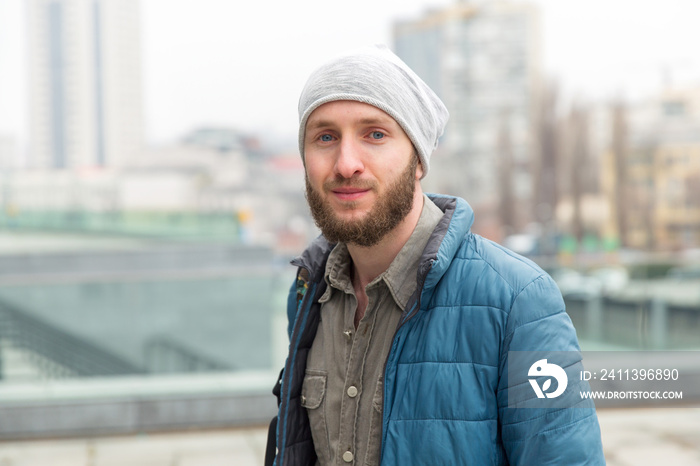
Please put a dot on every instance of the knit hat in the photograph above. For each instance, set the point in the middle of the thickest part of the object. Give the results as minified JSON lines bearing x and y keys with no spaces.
{"x":374,"y":75}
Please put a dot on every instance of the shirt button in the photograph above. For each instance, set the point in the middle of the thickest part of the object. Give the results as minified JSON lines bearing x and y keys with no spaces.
{"x":348,"y":334}
{"x":352,"y":391}
{"x":348,"y":456}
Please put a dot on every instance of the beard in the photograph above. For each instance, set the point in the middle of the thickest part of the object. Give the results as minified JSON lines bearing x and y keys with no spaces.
{"x":388,"y":210}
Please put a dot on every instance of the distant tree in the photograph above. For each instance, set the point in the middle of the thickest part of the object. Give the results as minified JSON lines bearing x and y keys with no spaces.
{"x":579,"y":165}
{"x":547,"y":159}
{"x":643,"y":197}
{"x":620,"y":149}
{"x":506,"y":197}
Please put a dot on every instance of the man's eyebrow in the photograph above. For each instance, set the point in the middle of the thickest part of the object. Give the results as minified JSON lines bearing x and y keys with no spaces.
{"x":319,"y":124}
{"x":374,"y":121}
{"x":364,"y":121}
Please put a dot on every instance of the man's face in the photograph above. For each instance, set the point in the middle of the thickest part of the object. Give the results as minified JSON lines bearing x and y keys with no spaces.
{"x":361,"y":172}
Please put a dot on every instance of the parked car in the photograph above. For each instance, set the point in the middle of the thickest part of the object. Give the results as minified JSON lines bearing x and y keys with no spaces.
{"x":574,"y":284}
{"x":688,"y":272}
{"x":612,"y":279}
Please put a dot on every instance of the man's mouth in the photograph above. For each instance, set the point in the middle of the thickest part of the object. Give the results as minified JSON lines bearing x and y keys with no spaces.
{"x":349,"y":193}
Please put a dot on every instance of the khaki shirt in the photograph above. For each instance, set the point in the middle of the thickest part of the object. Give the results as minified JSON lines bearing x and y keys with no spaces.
{"x":343,"y":384}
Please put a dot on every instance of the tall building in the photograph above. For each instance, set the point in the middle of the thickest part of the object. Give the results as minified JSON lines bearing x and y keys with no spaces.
{"x":84,"y":83}
{"x":8,"y":152}
{"x":483,"y":60}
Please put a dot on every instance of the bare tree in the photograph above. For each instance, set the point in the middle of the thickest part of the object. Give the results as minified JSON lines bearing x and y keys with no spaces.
{"x":547,"y":163}
{"x":506,"y":198}
{"x":579,"y":166}
{"x":643,"y":197}
{"x":619,"y":147}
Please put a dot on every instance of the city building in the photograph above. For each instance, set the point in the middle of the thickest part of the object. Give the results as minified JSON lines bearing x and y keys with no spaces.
{"x":8,"y":152}
{"x":483,"y":60}
{"x":658,"y":207}
{"x":85,"y":97}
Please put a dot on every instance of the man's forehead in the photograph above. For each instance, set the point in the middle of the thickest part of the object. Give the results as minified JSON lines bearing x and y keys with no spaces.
{"x":329,"y":114}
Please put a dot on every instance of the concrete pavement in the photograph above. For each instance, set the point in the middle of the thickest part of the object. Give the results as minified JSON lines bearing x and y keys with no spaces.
{"x":631,"y":437}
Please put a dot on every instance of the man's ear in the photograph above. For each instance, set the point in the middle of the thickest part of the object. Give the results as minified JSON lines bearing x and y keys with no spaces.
{"x":419,"y":170}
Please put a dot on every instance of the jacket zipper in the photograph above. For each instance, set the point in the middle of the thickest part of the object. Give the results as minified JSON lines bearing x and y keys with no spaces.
{"x":301,"y":304}
{"x":395,"y":341}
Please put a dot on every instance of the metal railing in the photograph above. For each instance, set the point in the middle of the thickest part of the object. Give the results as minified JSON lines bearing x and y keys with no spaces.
{"x":164,"y":353}
{"x":648,"y":323}
{"x":55,"y":352}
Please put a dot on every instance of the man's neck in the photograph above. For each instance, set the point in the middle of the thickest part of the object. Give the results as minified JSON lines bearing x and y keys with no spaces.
{"x":370,"y":262}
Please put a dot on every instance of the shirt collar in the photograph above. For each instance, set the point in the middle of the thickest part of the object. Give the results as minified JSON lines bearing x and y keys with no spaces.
{"x":401,"y":276}
{"x":337,"y":274}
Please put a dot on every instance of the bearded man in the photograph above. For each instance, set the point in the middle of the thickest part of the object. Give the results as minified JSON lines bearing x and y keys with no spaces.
{"x":401,"y":320}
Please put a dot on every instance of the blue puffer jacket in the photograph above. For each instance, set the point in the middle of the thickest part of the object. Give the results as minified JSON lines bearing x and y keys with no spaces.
{"x":446,"y":378}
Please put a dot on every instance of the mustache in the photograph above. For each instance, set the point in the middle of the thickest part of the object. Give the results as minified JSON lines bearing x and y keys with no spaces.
{"x":354,"y":183}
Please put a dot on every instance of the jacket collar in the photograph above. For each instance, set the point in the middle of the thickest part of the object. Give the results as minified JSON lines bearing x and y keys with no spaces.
{"x":447,"y":237}
{"x":314,"y":258}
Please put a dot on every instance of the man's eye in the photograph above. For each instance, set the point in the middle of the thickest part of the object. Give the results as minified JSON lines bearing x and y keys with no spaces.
{"x":377,"y":135}
{"x":326,"y":138}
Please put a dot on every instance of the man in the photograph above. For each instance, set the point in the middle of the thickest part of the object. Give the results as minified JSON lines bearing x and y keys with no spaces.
{"x":401,"y":320}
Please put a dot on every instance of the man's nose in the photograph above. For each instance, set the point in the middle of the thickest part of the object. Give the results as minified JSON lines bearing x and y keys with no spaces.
{"x":349,"y":160}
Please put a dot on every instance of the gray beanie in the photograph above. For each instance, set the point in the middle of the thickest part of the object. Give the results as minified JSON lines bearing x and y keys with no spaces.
{"x":374,"y":75}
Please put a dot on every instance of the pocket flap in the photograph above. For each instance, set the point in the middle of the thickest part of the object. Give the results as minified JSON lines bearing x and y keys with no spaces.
{"x":313,"y":391}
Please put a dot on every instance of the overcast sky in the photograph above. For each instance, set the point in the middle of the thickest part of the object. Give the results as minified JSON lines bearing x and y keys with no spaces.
{"x":243,"y":63}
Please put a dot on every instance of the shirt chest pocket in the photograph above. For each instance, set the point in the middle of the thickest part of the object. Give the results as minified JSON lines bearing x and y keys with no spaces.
{"x":313,"y":390}
{"x":313,"y":393}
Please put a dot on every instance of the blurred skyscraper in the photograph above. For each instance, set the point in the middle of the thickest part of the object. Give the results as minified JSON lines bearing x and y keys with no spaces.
{"x":84,"y":83}
{"x":483,"y":60}
{"x":8,"y":152}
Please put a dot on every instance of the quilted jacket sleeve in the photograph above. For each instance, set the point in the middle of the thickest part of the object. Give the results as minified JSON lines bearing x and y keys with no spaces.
{"x":561,"y":431}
